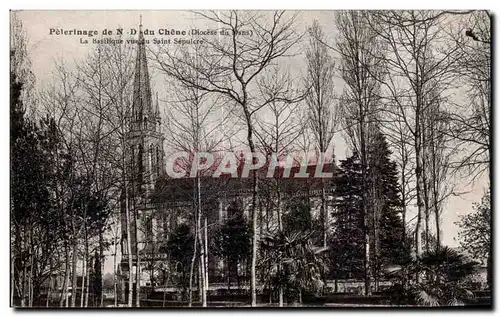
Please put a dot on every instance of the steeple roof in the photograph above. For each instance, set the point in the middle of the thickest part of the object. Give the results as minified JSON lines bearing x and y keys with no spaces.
{"x":142,"y":102}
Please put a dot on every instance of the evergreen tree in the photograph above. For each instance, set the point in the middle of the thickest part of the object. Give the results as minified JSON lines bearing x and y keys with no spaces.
{"x":298,"y":218}
{"x":34,"y":223}
{"x":347,"y":240}
{"x":96,"y":278}
{"x":232,"y":241}
{"x":180,"y":249}
{"x":388,"y":245}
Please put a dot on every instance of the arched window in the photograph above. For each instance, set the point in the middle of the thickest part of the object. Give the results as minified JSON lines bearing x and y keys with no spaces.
{"x":158,"y":161}
{"x":145,"y":123}
{"x":151,"y":162}
{"x":140,"y":162}
{"x":149,"y":227}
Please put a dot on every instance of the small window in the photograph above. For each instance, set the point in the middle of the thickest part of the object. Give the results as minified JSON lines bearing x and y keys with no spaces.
{"x":158,"y":163}
{"x":149,"y":227}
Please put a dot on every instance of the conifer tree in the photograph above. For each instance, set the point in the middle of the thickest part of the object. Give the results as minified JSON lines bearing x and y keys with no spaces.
{"x":388,"y":244}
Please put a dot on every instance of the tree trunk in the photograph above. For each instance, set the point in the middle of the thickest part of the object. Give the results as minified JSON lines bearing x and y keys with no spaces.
{"x":84,"y":272}
{"x":30,"y":280}
{"x":324,"y":209}
{"x":228,"y":273}
{"x":420,"y":203}
{"x":49,"y":292}
{"x":201,"y":287}
{"x":74,"y":285}
{"x":280,"y":234}
{"x":87,"y":274}
{"x":202,"y":266}
{"x":64,"y":289}
{"x":101,"y":264}
{"x":138,"y":260}
{"x":438,"y":226}
{"x":366,"y":216}
{"x":23,"y":295}
{"x":489,"y":274}
{"x":255,"y":191}
{"x":191,"y":268}
{"x":425,"y":188}
{"x":115,"y":271}
{"x":12,"y":277}
{"x":206,"y":255}
{"x":129,"y":250}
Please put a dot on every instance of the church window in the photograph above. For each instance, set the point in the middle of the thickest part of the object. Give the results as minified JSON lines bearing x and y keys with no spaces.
{"x":140,"y":162}
{"x":158,"y":162}
{"x":151,"y":159}
{"x":149,"y":227}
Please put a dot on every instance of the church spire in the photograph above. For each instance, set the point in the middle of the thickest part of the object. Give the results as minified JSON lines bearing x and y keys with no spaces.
{"x":157,"y":109}
{"x":142,"y":102}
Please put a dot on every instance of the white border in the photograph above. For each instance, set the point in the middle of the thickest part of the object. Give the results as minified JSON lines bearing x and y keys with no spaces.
{"x":190,"y":4}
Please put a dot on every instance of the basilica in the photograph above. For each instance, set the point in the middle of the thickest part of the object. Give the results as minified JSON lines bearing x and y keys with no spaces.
{"x":158,"y":204}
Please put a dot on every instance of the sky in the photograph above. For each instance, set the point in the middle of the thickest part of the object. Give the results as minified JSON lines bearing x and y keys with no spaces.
{"x":45,"y":48}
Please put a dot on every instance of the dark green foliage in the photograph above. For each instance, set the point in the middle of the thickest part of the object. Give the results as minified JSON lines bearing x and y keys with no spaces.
{"x":475,"y":234}
{"x":232,"y":242}
{"x":28,"y":165}
{"x":298,"y":217}
{"x":180,"y":249}
{"x":35,"y":221}
{"x":442,"y":281}
{"x":303,"y":264}
{"x":346,"y":254}
{"x":233,"y":239}
{"x":384,"y":213}
{"x":394,"y":247}
{"x":96,"y":280}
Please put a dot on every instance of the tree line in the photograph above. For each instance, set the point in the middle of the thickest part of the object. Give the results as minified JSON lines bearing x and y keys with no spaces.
{"x":411,"y":142}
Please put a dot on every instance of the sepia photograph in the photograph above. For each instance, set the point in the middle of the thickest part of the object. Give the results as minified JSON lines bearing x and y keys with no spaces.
{"x":250,"y":159}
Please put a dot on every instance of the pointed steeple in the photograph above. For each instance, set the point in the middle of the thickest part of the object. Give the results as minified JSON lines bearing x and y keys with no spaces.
{"x":142,"y":104}
{"x":157,"y":109}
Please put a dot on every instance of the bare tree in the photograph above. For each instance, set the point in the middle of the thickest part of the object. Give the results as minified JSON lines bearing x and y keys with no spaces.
{"x":362,"y":70}
{"x":119,"y":64}
{"x":105,"y":81}
{"x":438,"y":153}
{"x":321,"y":104}
{"x":471,"y":118}
{"x":59,"y":101}
{"x":194,"y":125}
{"x":277,"y":131}
{"x":415,"y":62}
{"x":400,"y":140}
{"x":229,"y":66}
{"x":20,"y":64}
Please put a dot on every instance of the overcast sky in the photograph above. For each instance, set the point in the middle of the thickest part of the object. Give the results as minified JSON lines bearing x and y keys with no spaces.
{"x":44,"y":49}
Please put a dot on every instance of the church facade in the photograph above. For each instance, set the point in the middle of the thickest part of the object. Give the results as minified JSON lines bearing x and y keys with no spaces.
{"x":157,"y":204}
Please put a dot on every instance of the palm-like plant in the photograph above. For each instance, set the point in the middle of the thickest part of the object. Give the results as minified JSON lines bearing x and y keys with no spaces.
{"x":303,"y":264}
{"x":441,"y":279}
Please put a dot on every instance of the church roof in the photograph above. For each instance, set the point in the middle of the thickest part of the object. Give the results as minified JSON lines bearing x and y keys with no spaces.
{"x":181,"y":189}
{"x":142,"y":99}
